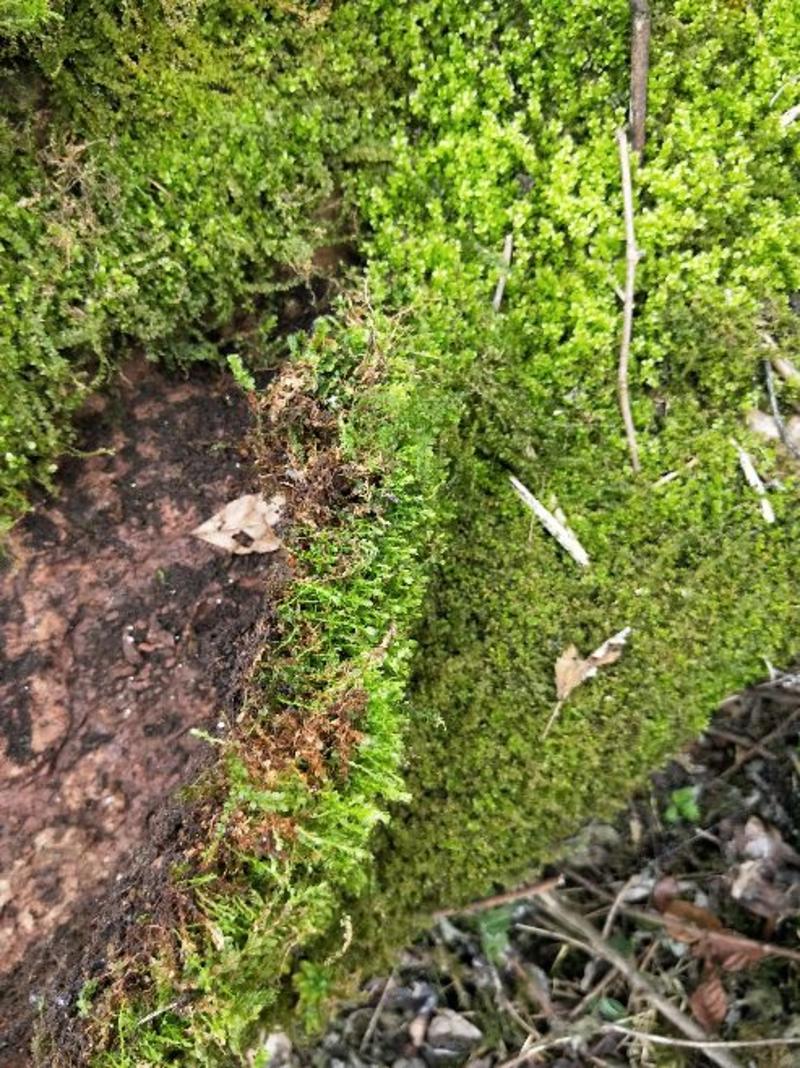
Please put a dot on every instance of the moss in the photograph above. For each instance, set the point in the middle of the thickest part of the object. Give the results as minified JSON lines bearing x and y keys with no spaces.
{"x":508,"y":124}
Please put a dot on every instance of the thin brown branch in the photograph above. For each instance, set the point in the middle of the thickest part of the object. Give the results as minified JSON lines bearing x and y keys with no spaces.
{"x":640,"y":71}
{"x":783,"y":434}
{"x":632,"y":257}
{"x":575,"y":923}
{"x":373,"y":1022}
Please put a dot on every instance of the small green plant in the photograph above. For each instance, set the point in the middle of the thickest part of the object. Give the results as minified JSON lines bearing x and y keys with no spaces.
{"x":683,"y":806}
{"x":241,"y":374}
{"x":86,"y":997}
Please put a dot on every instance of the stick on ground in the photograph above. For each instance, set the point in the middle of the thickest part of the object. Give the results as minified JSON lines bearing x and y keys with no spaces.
{"x":575,"y":923}
{"x":632,"y":256}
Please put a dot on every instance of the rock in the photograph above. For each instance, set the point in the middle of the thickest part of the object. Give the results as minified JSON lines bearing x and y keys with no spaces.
{"x":443,"y":1058}
{"x":450,"y":1039}
{"x":409,"y":1062}
{"x":278,"y":1049}
{"x":356,"y":1026}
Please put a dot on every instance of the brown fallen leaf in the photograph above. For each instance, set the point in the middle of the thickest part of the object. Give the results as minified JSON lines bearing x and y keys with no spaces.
{"x":709,"y":1002}
{"x":689,"y":923}
{"x":245,"y":525}
{"x":572,"y":669}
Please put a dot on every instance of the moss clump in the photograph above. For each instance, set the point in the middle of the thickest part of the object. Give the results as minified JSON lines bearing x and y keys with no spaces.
{"x":690,"y":565}
{"x":159,"y":173}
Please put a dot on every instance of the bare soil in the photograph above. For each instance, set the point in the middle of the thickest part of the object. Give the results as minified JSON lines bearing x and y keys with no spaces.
{"x":119,"y":633}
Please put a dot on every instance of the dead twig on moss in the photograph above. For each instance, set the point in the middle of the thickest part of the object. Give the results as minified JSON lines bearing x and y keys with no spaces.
{"x":788,"y":117}
{"x":554,"y":527}
{"x":776,"y":412}
{"x":576,"y":924}
{"x":508,"y":249}
{"x":632,"y":256}
{"x":753,"y":480}
{"x":640,"y":71}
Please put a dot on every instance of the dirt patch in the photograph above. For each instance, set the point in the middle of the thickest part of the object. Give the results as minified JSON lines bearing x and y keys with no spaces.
{"x":119,"y":633}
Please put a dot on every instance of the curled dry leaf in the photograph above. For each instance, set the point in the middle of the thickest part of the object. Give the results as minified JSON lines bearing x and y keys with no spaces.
{"x":709,"y":1003}
{"x":572,"y":669}
{"x":245,"y":525}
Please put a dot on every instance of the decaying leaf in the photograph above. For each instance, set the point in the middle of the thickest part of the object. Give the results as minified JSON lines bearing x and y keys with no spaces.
{"x":572,"y":669}
{"x":689,"y":923}
{"x":709,"y":1003}
{"x":245,"y":525}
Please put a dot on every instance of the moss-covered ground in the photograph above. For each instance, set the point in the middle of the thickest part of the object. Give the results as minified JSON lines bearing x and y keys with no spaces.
{"x":433,"y":605}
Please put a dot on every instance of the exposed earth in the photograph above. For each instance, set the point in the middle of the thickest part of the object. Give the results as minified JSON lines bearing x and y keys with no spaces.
{"x":120,"y":632}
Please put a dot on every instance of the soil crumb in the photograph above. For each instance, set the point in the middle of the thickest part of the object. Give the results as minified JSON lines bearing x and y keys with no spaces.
{"x":119,"y":633}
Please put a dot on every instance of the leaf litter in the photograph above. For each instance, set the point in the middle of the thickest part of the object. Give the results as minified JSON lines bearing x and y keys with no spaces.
{"x":245,"y":525}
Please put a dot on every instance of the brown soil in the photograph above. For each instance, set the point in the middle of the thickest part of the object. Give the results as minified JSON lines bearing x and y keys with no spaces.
{"x":119,"y":633}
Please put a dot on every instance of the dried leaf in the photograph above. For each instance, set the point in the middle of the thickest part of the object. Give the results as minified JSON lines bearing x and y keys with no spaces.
{"x":418,"y":1029}
{"x":245,"y":525}
{"x":761,"y":841}
{"x":733,"y":951}
{"x":686,"y":922}
{"x":572,"y":670}
{"x":752,"y":888}
{"x":709,"y":1003}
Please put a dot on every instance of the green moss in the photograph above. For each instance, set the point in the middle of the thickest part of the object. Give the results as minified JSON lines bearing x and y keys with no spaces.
{"x":508,"y":124}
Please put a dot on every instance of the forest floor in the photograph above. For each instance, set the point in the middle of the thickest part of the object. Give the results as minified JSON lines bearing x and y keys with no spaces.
{"x":120,"y":633}
{"x":690,"y":897}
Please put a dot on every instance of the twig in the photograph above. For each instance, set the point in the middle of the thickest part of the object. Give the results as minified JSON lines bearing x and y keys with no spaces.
{"x":707,"y":1046}
{"x":531,"y":1050}
{"x":557,"y":936}
{"x":593,"y":994}
{"x":635,"y":979}
{"x":158,"y":1012}
{"x":563,"y":535}
{"x":788,"y":117}
{"x":739,"y":739}
{"x":754,"y":482}
{"x":508,"y":898}
{"x":640,"y":68}
{"x":632,"y":257}
{"x":773,"y":735}
{"x":776,"y":412}
{"x":373,"y":1020}
{"x":672,"y":475}
{"x":508,"y":248}
{"x":786,"y":369}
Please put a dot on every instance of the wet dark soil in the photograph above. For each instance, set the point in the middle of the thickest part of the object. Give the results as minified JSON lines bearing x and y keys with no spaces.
{"x":119,"y":634}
